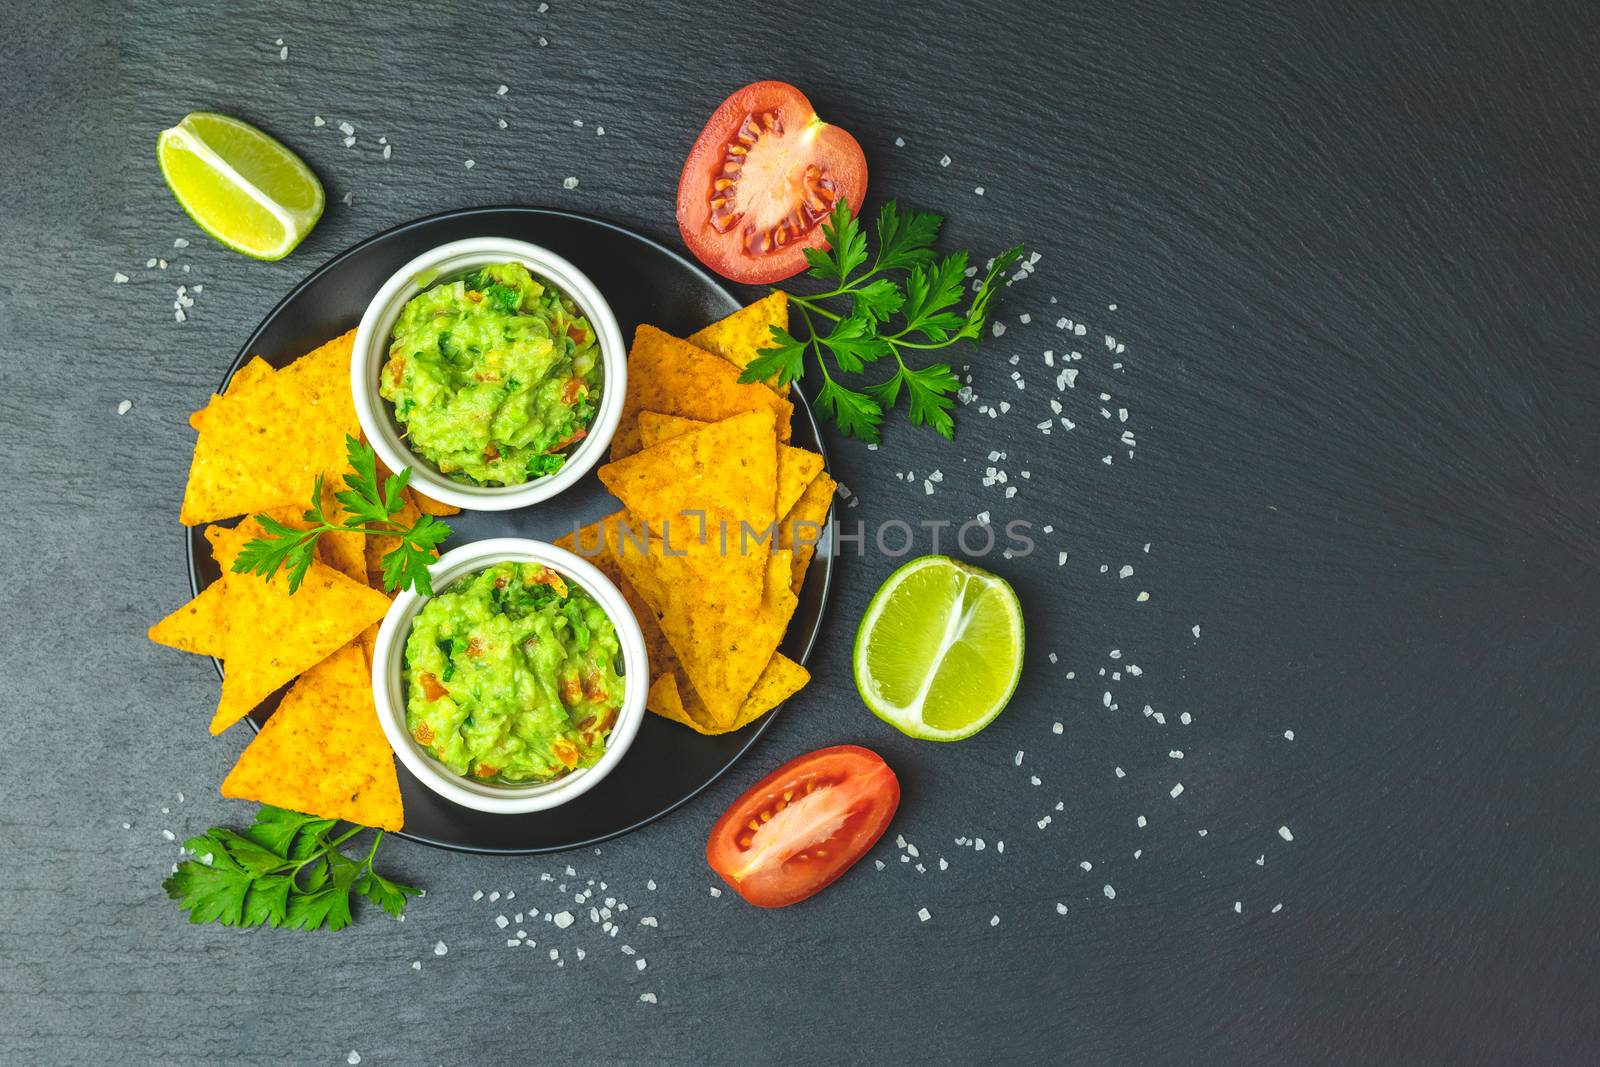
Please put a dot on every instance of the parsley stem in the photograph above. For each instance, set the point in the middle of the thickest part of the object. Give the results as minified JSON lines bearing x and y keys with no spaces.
{"x":809,"y":304}
{"x":811,"y":338}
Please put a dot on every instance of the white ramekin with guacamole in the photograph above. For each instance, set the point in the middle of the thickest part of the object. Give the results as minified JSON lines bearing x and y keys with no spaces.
{"x":494,"y":369}
{"x":518,"y":685}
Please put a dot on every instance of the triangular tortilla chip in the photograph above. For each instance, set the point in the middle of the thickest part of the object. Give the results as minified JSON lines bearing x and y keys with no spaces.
{"x":796,"y":466}
{"x":738,"y":337}
{"x":721,"y":651}
{"x":264,"y":446}
{"x":801,"y":528}
{"x":711,"y":491}
{"x":672,"y":698}
{"x":674,"y":377}
{"x":200,"y":626}
{"x":322,"y":752}
{"x":273,"y":636}
{"x":256,"y":370}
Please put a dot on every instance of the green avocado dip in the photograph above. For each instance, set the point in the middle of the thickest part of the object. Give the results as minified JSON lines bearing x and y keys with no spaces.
{"x":511,"y":676}
{"x":493,"y":375}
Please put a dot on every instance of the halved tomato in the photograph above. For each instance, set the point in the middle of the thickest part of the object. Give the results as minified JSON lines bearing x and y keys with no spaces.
{"x":804,"y":825}
{"x":761,"y":178}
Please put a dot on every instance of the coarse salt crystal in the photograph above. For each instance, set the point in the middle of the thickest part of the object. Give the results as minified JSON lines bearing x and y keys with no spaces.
{"x":1283,"y":832}
{"x":923,"y":914}
{"x":944,"y":161}
{"x":562,"y":919}
{"x":440,"y":948}
{"x":569,"y":183}
{"x":1177,"y":791}
{"x":1111,"y":894}
{"x":127,"y":405}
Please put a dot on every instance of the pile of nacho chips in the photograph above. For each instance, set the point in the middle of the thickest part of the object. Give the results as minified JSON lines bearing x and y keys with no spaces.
{"x":701,"y":466}
{"x":261,"y":447}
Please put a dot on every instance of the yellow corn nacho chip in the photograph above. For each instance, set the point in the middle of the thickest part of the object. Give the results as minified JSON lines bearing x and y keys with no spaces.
{"x":801,"y":528}
{"x":273,"y":636}
{"x":264,"y":446}
{"x":796,"y":466}
{"x":721,"y":651}
{"x":672,"y":376}
{"x":738,"y":337}
{"x":256,"y":370}
{"x":322,"y":751}
{"x":665,"y":700}
{"x":709,"y":491}
{"x":673,"y":698}
{"x":200,"y":626}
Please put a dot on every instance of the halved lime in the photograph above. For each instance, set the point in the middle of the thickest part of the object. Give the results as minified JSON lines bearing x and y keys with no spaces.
{"x":242,"y":186}
{"x":939,"y":650}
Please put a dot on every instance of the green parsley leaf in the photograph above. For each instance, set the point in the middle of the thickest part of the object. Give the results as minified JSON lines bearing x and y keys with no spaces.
{"x":929,"y":291}
{"x":785,"y":361}
{"x":921,"y":310}
{"x":905,"y":239}
{"x":284,"y":872}
{"x":277,"y":828}
{"x":978,"y":313}
{"x":390,"y":896}
{"x":854,"y":343}
{"x":877,"y":300}
{"x":929,"y":392}
{"x":368,"y":510}
{"x":847,"y":246}
{"x":856,"y":413}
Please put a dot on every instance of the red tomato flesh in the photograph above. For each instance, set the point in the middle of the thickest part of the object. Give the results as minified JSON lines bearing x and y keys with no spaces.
{"x":761,"y":179}
{"x":804,"y":825}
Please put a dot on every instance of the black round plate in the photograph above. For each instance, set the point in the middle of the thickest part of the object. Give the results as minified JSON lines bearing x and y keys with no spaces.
{"x":645,"y":282}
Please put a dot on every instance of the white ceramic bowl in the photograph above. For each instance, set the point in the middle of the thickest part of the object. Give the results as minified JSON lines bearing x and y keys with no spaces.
{"x":389,"y":690}
{"x":371,"y":352}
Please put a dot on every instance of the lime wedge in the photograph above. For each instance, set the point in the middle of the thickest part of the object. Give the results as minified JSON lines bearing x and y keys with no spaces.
{"x":243,"y":187}
{"x":939,"y":650}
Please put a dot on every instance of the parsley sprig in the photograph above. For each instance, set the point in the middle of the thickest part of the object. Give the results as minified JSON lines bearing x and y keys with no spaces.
{"x":286,"y":870}
{"x":888,"y":318}
{"x":368,"y":510}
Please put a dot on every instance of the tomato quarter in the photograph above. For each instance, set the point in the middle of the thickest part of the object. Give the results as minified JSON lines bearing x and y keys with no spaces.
{"x":761,"y":179}
{"x":804,"y":825}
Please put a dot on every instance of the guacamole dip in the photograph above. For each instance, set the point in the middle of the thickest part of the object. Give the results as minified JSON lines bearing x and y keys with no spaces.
{"x":511,"y":675}
{"x":493,"y":375}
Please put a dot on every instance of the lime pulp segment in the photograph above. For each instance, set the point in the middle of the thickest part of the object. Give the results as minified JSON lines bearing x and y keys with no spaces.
{"x":939,"y":650}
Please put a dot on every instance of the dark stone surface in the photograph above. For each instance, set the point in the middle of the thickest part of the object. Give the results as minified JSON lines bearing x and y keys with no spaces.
{"x":1353,"y":258}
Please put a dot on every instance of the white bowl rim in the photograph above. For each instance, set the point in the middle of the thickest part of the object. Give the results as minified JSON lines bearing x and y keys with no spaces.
{"x":371,"y":348}
{"x":388,"y":660}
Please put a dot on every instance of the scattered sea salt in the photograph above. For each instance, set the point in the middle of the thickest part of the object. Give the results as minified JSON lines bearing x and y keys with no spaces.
{"x":647,"y":998}
{"x":440,"y":948}
{"x":1111,"y":894}
{"x":127,"y":406}
{"x":503,"y":90}
{"x":562,"y":919}
{"x":1177,"y":791}
{"x":569,"y":183}
{"x":469,"y":163}
{"x":923,"y":914}
{"x":1283,"y":832}
{"x":944,"y":161}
